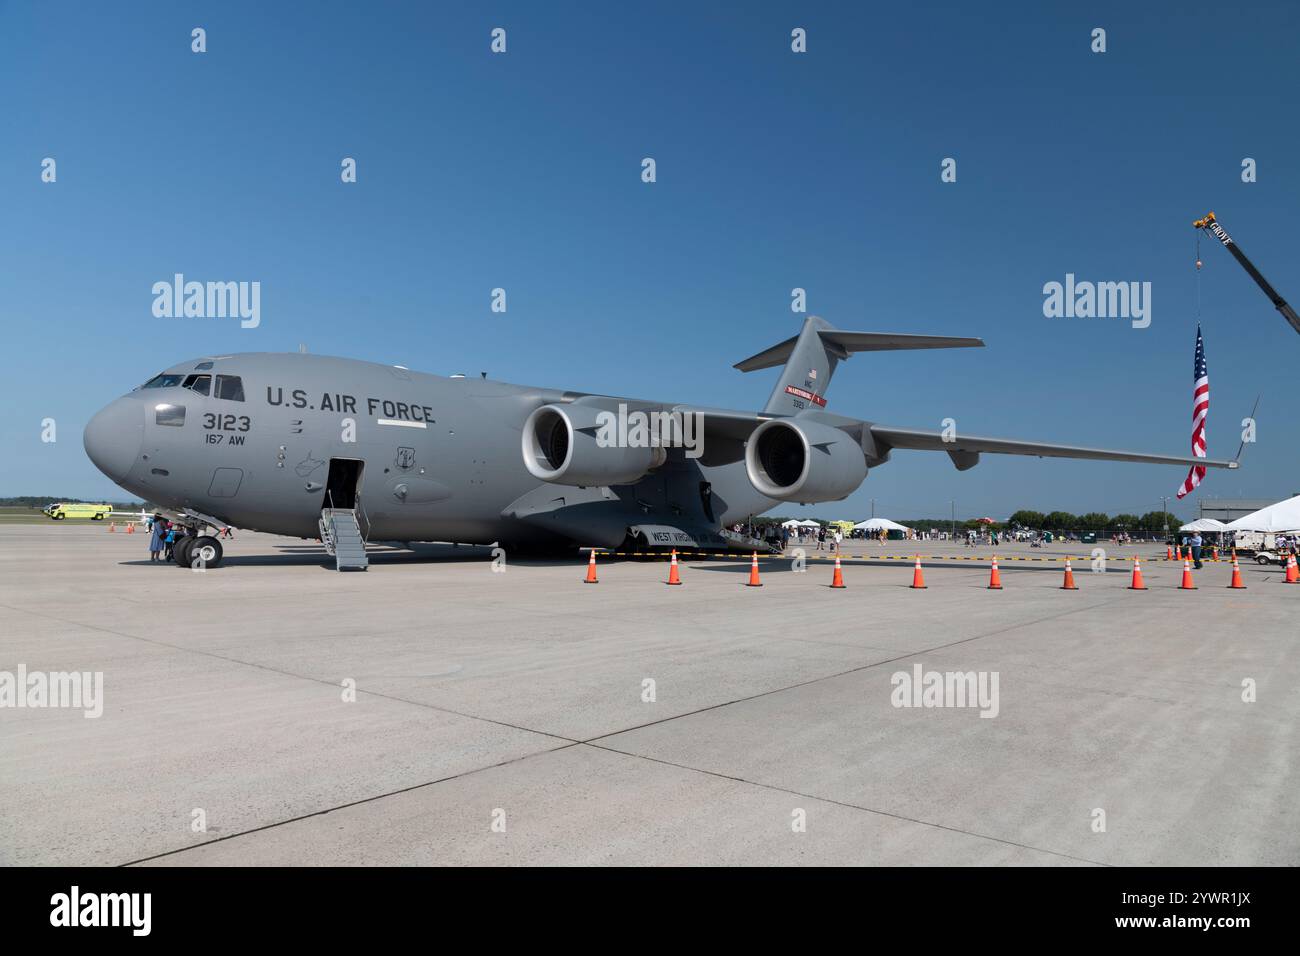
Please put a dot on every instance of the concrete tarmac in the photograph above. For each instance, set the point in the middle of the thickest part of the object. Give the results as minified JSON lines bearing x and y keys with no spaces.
{"x":526,"y":718}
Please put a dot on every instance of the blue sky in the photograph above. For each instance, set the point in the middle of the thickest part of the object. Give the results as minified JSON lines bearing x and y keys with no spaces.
{"x":775,"y":171}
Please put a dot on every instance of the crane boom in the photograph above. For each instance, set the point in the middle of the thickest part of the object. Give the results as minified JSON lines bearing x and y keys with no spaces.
{"x":1212,"y":225}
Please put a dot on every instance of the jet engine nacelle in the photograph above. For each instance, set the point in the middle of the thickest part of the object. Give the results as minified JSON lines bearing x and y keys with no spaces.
{"x":792,"y":460}
{"x":560,"y":446}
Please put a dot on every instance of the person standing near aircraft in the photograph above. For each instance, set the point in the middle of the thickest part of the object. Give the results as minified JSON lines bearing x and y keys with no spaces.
{"x":155,"y":538}
{"x":1197,"y":543}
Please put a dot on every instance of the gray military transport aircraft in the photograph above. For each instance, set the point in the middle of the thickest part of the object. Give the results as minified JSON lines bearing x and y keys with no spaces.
{"x":352,"y":451}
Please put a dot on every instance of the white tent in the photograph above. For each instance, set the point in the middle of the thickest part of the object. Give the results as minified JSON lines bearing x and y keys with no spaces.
{"x":1204,"y":524}
{"x":1283,"y":516}
{"x":809,"y":523}
{"x":792,"y":523}
{"x":876,"y":524}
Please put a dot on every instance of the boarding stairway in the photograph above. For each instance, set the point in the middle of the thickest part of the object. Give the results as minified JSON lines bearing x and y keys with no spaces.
{"x":341,"y":535}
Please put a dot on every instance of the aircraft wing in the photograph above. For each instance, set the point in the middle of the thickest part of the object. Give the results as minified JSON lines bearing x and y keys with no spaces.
{"x":969,"y":447}
{"x":726,"y":430}
{"x":725,"y":422}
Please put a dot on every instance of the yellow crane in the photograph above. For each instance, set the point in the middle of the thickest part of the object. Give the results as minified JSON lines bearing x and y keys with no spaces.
{"x":1215,"y":228}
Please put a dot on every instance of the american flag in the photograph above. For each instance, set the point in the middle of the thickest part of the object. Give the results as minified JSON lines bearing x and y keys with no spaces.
{"x":1200,"y":408}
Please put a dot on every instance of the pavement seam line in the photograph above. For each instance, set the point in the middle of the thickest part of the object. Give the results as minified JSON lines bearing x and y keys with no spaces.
{"x":570,"y":742}
{"x":841,"y":803}
{"x":851,"y":670}
{"x":283,"y":673}
{"x":345,"y":806}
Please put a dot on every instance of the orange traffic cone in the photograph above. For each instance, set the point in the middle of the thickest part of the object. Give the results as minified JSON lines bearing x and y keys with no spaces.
{"x":918,"y":579}
{"x":995,"y":578}
{"x":1069,"y":584}
{"x":591,"y":569}
{"x":1236,"y":584}
{"x":1169,"y":552}
{"x":112,"y":526}
{"x":1187,"y":584}
{"x":1137,"y":584}
{"x":838,"y":580}
{"x":672,"y":570}
{"x":753,"y":581}
{"x":1292,"y":573}
{"x":130,"y":529}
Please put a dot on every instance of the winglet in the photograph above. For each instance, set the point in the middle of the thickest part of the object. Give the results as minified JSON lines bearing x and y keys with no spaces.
{"x":1242,"y":447}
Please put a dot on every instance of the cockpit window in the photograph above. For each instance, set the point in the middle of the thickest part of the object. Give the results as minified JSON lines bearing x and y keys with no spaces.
{"x":169,"y":414}
{"x":230,"y":387}
{"x":163,"y":381}
{"x":199,"y":383}
{"x":203,"y":366}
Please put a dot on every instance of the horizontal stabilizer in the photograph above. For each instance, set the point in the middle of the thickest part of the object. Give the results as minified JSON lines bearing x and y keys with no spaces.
{"x":842,"y":344}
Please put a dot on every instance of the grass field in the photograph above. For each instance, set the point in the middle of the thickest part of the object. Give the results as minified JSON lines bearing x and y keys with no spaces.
{"x":12,"y":514}
{"x":17,"y":514}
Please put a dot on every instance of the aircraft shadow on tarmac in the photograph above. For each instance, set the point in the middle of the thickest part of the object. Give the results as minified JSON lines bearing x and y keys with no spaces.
{"x":306,"y":555}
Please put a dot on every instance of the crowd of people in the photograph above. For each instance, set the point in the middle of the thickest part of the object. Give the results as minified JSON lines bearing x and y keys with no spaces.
{"x":823,"y":538}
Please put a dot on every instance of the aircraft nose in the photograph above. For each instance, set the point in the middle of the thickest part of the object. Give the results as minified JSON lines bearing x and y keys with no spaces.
{"x":114,"y":437}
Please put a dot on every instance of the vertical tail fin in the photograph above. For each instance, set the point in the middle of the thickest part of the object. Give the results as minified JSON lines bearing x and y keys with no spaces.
{"x":809,"y":365}
{"x":811,"y":356}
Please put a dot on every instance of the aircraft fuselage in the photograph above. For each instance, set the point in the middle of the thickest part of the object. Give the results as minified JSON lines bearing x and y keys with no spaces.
{"x":277,"y":437}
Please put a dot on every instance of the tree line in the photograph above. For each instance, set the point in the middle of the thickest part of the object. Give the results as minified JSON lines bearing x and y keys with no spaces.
{"x":32,"y":501}
{"x":1153,"y":522}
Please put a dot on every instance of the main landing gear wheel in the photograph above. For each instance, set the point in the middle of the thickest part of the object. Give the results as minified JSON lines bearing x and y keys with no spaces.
{"x":204,"y":550}
{"x":181,"y":551}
